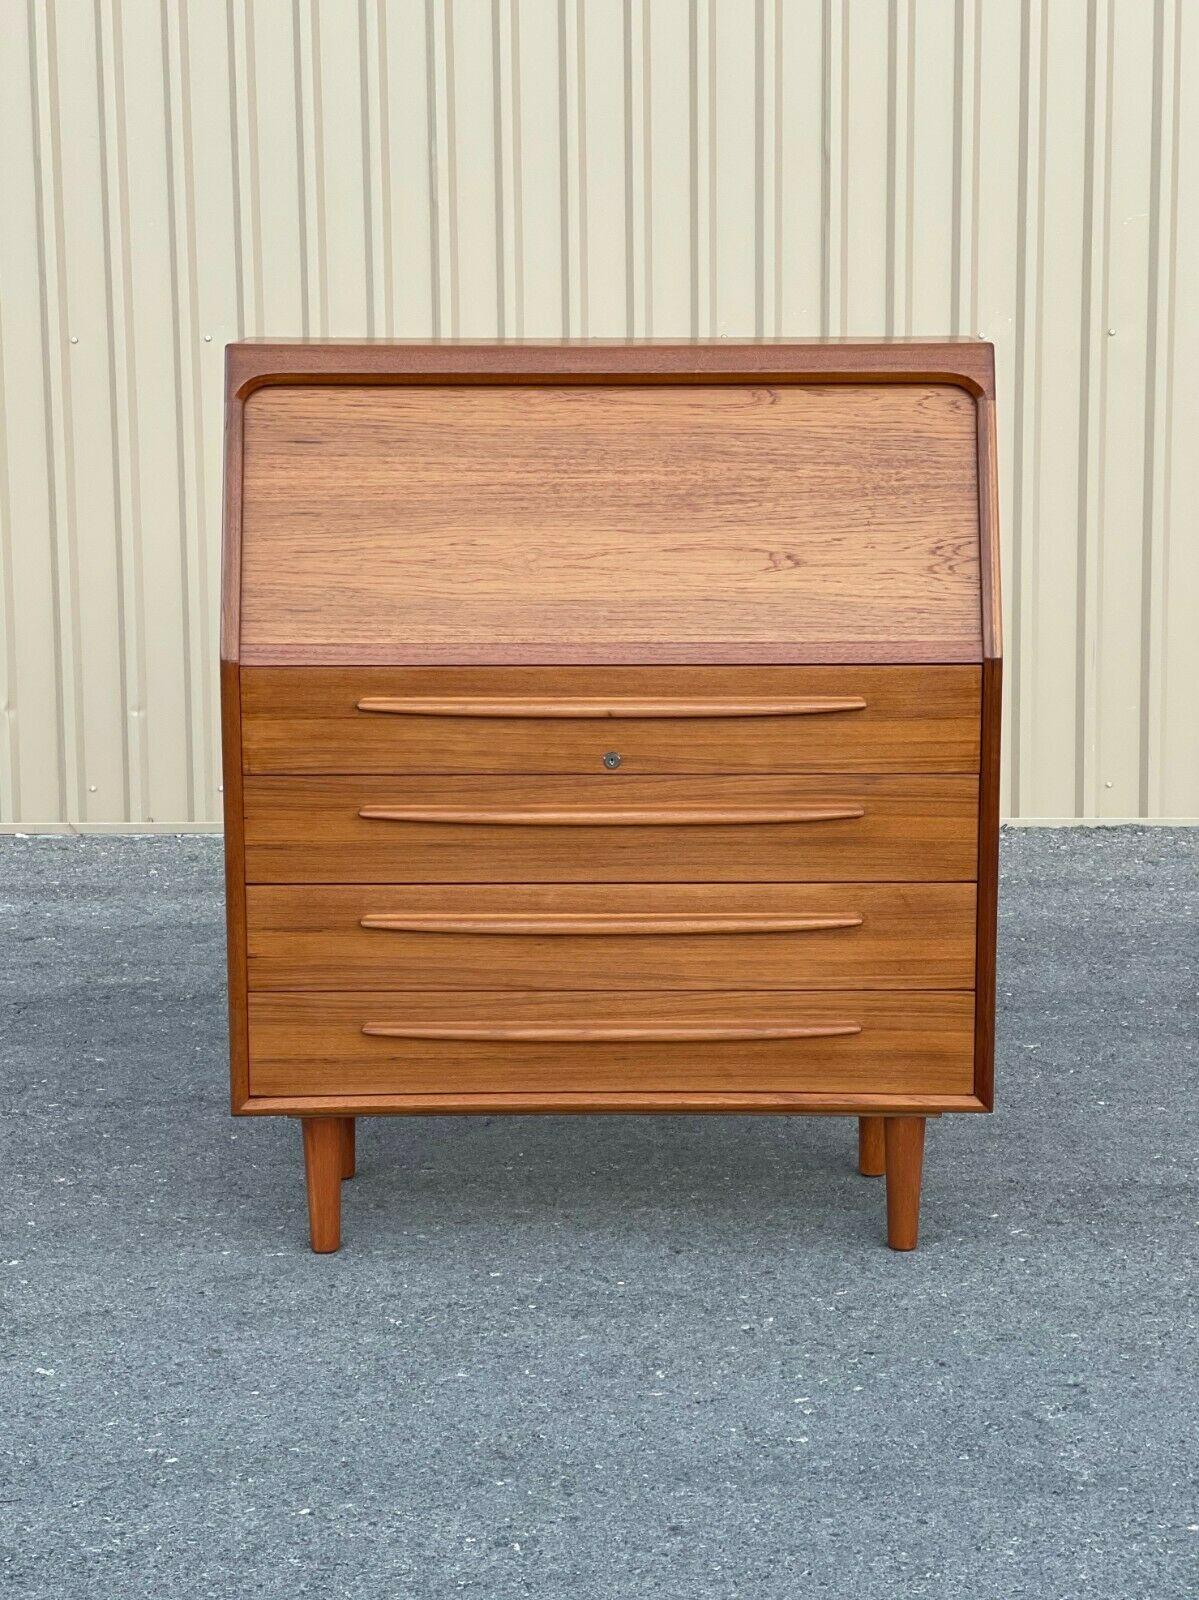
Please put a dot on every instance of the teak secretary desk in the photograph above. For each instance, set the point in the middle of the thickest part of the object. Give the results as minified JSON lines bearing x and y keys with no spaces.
{"x":611,"y":727}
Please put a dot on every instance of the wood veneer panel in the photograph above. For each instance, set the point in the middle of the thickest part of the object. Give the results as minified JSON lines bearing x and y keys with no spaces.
{"x":235,"y":881}
{"x":891,"y":935}
{"x":913,"y":719}
{"x":895,"y":828}
{"x":957,"y":358}
{"x":988,"y":884}
{"x":905,"y":1043}
{"x":551,"y":1102}
{"x":733,"y":522}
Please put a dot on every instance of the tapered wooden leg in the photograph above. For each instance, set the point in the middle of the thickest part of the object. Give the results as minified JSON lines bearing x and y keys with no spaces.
{"x":323,"y":1156}
{"x":905,"y":1162}
{"x":349,"y":1163}
{"x":871,"y":1159}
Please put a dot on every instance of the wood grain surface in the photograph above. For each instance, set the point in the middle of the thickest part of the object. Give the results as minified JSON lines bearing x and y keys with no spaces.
{"x":306,"y":719}
{"x":872,"y":1159}
{"x":235,"y":882}
{"x":904,"y":1140}
{"x":908,"y":1043}
{"x":632,"y":523}
{"x":959,"y":359}
{"x":890,"y":935}
{"x":633,"y":1102}
{"x":442,"y":522}
{"x":308,"y":830}
{"x":987,"y":878}
{"x":324,"y":1168}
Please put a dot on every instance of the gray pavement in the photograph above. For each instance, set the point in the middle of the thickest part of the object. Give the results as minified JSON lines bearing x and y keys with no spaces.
{"x":595,"y":1357}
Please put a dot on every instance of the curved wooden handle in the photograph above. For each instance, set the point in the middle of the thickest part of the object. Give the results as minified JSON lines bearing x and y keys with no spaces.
{"x":419,"y":705}
{"x":609,"y":1033}
{"x":572,"y":923}
{"x":635,"y":817}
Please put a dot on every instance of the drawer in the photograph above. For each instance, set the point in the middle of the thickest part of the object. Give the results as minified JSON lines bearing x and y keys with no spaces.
{"x":685,"y":719}
{"x":612,"y":829}
{"x":618,"y":936}
{"x":433,"y":1043}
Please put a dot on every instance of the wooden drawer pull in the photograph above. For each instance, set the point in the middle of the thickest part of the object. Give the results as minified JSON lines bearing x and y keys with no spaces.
{"x":604,"y":1033}
{"x":570,"y":923}
{"x":501,"y":706}
{"x":640,"y":817}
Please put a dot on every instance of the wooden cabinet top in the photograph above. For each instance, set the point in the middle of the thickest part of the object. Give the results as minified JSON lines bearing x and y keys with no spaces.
{"x":773,"y":502}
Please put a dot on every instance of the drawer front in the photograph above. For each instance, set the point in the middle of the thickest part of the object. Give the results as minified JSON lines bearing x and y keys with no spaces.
{"x":437,"y":1043}
{"x":614,"y":830}
{"x":622,"y":936}
{"x":691,"y":719}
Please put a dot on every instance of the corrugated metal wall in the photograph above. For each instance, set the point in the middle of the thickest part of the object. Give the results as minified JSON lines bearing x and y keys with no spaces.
{"x":178,"y":174}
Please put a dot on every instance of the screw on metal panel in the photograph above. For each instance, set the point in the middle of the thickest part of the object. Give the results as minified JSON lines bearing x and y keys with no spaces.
{"x":611,"y":760}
